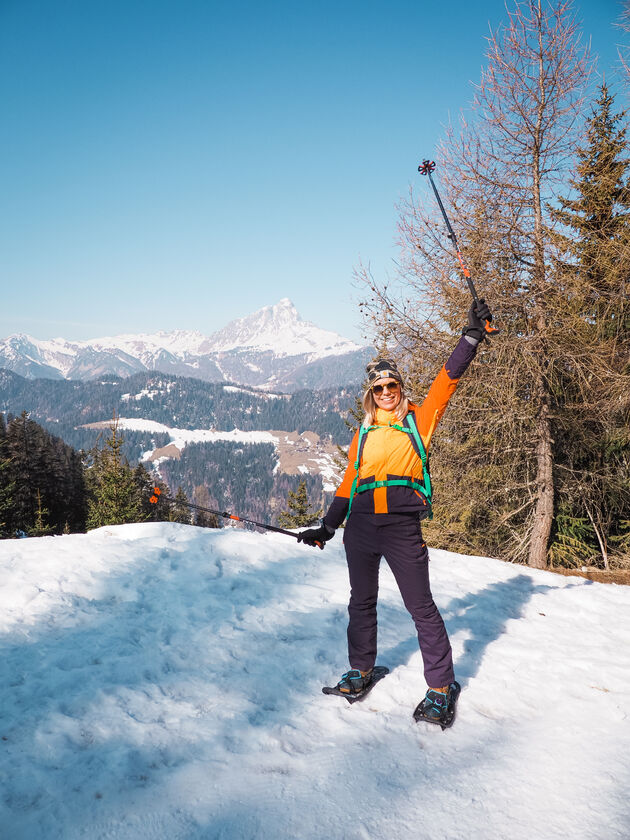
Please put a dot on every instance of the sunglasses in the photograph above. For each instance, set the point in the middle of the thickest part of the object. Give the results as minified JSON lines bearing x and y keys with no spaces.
{"x":392,"y":387}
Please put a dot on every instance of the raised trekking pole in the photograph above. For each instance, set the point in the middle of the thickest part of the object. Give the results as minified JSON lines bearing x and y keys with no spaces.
{"x":426,"y":168}
{"x":158,"y":495}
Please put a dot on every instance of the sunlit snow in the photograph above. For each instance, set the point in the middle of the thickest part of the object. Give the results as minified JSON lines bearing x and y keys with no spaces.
{"x":163,"y":681}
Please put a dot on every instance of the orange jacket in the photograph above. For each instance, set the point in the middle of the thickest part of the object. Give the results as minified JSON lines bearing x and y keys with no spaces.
{"x":388,"y":453}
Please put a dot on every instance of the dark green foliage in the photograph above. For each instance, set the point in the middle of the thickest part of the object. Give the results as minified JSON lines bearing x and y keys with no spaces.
{"x":40,"y":527}
{"x":41,"y":480}
{"x":599,"y":218}
{"x":573,"y":540}
{"x":179,"y":512}
{"x":7,"y":484}
{"x":145,"y":484}
{"x":593,"y":430}
{"x":299,"y":513}
{"x":113,"y":492}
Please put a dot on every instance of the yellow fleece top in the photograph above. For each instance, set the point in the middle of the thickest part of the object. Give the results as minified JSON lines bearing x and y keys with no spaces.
{"x":388,"y":453}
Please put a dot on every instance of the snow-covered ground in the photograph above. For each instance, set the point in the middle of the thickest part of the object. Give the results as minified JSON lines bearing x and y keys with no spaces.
{"x":163,"y":681}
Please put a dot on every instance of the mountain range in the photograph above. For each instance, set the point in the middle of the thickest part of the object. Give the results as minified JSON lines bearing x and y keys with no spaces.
{"x":273,"y":349}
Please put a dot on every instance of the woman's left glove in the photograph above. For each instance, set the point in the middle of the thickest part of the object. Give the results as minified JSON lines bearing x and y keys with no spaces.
{"x":316,"y":536}
{"x":478,"y":314}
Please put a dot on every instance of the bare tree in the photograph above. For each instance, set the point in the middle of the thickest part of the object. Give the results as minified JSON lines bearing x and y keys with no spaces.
{"x":500,"y":172}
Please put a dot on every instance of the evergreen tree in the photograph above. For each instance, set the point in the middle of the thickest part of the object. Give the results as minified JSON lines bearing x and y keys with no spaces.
{"x":179,"y":511}
{"x":594,"y":429}
{"x":7,"y":485}
{"x":298,"y":514}
{"x":27,"y":475}
{"x":145,"y":484}
{"x":39,"y":463}
{"x":114,"y":494}
{"x":40,"y":528}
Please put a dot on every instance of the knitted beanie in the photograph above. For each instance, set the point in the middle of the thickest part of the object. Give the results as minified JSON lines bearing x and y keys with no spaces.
{"x":382,"y":369}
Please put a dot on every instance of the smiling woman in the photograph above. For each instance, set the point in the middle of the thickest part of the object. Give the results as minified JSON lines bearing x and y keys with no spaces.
{"x":386,"y":492}
{"x":385,"y":390}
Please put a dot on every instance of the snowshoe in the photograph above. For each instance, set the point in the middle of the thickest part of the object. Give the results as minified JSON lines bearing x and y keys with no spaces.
{"x":438,"y":706}
{"x":353,"y":686}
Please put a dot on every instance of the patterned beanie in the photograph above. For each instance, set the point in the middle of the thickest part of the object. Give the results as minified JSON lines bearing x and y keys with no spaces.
{"x":382,"y":369}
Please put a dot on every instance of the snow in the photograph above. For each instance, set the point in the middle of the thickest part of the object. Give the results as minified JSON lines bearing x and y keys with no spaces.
{"x":181,"y":437}
{"x":162,"y":681}
{"x":280,"y":330}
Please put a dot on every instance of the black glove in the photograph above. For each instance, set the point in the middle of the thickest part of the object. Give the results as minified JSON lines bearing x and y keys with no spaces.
{"x":316,"y":536}
{"x":478,"y":314}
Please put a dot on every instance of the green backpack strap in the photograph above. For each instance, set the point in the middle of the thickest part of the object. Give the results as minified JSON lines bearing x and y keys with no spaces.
{"x":353,"y":489}
{"x":423,"y":455}
{"x":424,"y":488}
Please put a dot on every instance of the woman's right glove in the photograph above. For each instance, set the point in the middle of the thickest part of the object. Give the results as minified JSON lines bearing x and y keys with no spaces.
{"x":316,"y":536}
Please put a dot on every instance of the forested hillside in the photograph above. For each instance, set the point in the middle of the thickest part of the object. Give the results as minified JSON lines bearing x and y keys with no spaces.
{"x":64,"y":407}
{"x":237,"y":476}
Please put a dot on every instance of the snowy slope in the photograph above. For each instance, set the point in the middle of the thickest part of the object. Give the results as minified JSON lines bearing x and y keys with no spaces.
{"x":162,"y":681}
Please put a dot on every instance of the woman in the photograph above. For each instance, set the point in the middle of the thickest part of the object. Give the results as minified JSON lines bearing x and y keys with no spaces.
{"x":386,"y":492}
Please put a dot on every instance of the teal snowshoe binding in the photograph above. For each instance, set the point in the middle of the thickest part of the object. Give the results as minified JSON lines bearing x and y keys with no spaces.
{"x":438,"y":706}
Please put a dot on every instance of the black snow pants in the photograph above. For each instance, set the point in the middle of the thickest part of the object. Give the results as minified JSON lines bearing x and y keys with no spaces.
{"x":398,"y":538}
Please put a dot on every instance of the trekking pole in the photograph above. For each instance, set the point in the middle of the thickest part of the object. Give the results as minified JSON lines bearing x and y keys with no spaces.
{"x":426,"y":168}
{"x":157,"y":495}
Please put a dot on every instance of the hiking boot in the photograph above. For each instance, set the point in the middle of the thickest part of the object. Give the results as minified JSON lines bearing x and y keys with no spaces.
{"x":354,"y":681}
{"x":436,"y":703}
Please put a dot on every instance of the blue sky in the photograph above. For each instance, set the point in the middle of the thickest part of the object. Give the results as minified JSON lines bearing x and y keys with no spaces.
{"x":174,"y":165}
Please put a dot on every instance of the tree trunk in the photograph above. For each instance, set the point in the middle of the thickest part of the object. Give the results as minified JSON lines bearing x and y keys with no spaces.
{"x":543,"y":514}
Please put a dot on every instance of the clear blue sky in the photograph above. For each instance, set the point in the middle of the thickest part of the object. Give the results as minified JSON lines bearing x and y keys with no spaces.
{"x":176,"y":164}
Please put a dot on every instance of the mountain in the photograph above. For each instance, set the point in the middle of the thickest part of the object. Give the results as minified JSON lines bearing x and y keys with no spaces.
{"x":273,"y":348}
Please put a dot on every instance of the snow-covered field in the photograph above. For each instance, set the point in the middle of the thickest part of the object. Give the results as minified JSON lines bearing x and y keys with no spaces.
{"x":163,"y":681}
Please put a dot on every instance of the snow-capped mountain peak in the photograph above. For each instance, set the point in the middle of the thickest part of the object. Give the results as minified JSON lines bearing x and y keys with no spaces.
{"x":273,"y":347}
{"x":279,"y":329}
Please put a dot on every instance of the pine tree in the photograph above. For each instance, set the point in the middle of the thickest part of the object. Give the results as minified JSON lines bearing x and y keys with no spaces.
{"x":7,"y":484}
{"x":27,"y":476}
{"x":39,"y":463}
{"x":298,"y":514}
{"x":145,"y":484}
{"x":599,"y":217}
{"x":179,"y":511}
{"x":594,"y":432}
{"x":114,"y":495}
{"x":40,"y":528}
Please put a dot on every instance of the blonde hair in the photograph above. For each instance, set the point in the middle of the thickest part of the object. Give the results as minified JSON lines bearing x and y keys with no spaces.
{"x":370,"y":407}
